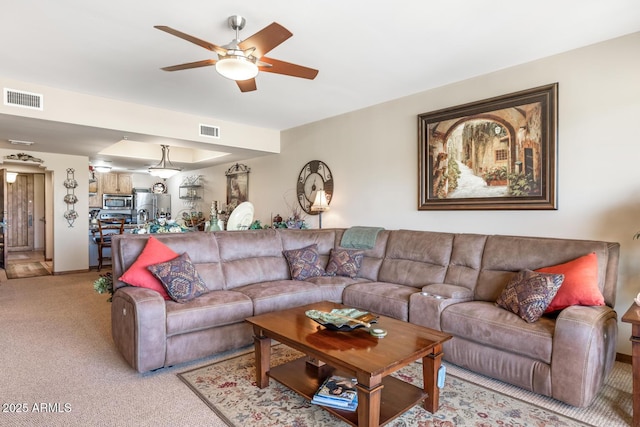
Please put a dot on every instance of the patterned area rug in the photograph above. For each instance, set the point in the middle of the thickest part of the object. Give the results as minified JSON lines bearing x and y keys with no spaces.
{"x":228,"y":388}
{"x":26,"y":269}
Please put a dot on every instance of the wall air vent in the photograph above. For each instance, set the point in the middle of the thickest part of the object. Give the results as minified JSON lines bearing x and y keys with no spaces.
{"x":209,"y":131}
{"x":18,"y":98}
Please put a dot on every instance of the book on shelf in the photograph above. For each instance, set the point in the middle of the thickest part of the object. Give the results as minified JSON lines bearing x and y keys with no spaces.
{"x":351,"y":407}
{"x":337,"y":392}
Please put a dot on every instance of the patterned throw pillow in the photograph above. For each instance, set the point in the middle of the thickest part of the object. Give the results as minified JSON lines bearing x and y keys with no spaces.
{"x":344,"y":262}
{"x":529,"y":293}
{"x":304,"y":262}
{"x":180,"y":277}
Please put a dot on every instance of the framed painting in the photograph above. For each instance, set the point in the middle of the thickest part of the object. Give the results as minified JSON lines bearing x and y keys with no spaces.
{"x":494,"y":154}
{"x":237,"y":185}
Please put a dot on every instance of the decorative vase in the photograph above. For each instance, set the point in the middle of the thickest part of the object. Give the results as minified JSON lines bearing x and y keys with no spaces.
{"x":214,"y":226}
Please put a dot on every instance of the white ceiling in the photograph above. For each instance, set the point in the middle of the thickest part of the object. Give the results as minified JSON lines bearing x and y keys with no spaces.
{"x":367,"y":53}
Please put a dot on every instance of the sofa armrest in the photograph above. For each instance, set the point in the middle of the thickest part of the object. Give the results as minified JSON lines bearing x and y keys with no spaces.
{"x":426,"y":307}
{"x":584,"y":348}
{"x":138,"y":327}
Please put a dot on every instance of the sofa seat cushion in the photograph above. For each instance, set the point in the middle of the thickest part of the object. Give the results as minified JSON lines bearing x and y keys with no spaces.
{"x":280,"y":294}
{"x":216,"y":308}
{"x":388,"y":299}
{"x":333,"y":286}
{"x":485,"y":323}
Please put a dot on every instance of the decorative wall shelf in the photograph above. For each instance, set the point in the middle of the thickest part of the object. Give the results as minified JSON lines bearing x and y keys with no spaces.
{"x":70,"y":198}
{"x":191,"y":192}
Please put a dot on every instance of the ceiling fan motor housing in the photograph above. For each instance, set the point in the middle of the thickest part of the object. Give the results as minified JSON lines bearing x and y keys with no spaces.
{"x":236,"y":22}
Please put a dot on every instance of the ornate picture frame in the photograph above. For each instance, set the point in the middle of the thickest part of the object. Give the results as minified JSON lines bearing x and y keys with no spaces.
{"x":237,"y":185}
{"x":494,"y":154}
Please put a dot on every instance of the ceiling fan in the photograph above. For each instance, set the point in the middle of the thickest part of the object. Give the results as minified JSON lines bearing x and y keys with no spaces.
{"x":241,"y":60}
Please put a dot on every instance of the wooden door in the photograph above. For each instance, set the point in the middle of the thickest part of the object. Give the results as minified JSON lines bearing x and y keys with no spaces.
{"x":3,"y":219}
{"x":20,"y":213}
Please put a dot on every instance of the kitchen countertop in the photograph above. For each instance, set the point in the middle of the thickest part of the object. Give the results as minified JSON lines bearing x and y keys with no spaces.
{"x":93,"y":228}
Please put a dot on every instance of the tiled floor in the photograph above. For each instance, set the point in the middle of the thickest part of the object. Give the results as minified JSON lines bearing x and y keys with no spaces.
{"x":25,"y":257}
{"x":35,"y":256}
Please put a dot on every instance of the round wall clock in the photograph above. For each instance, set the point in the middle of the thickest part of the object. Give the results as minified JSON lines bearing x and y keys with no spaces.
{"x":313,"y":177}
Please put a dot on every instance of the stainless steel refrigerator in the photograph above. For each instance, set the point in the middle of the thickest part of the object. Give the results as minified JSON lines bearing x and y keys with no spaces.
{"x":148,"y":206}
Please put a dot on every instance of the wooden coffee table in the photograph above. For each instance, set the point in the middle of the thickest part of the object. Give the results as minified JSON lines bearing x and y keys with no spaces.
{"x":381,"y":397}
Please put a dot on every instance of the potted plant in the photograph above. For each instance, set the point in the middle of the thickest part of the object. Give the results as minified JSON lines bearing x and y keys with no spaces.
{"x":104,"y":284}
{"x":496,"y":176}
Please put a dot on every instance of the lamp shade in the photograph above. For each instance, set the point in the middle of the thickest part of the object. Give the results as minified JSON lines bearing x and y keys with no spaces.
{"x":163,"y":173}
{"x":320,"y":204}
{"x":164,"y":169}
{"x":11,"y":177}
{"x":236,"y":67}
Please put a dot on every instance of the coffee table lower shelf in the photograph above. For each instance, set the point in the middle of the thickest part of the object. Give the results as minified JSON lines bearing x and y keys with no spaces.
{"x":397,"y":396}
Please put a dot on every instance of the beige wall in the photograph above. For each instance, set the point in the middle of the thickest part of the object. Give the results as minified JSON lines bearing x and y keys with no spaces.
{"x":72,"y":107}
{"x":67,"y":245}
{"x":373,"y":156}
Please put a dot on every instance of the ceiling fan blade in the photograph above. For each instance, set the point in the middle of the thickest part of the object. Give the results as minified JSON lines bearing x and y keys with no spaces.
{"x":266,"y":39}
{"x":202,"y":43}
{"x":203,"y":63}
{"x":247,"y":85}
{"x":287,"y":68}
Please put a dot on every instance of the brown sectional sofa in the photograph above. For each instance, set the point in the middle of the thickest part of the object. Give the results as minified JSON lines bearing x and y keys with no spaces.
{"x":445,"y":281}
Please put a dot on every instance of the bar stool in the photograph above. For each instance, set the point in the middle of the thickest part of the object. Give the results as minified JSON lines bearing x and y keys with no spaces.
{"x":103,"y":240}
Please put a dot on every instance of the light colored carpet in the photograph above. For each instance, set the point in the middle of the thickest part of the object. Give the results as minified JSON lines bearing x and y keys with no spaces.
{"x":228,"y":388}
{"x":27,"y":269}
{"x":56,"y":349}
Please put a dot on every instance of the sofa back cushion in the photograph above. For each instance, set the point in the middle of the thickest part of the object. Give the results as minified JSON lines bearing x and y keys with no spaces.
{"x":251,"y":256}
{"x":505,"y":255}
{"x":373,"y":257}
{"x":293,"y":239}
{"x":201,"y":247}
{"x":416,"y":258}
{"x":466,"y":260}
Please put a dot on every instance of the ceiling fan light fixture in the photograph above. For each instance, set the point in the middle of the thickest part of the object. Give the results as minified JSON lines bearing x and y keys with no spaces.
{"x":165,"y":168}
{"x":236,"y":67}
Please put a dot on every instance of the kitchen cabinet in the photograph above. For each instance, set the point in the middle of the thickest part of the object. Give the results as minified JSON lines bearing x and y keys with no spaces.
{"x":95,"y":198}
{"x":109,"y":183}
{"x":116,"y":183}
{"x":93,"y":250}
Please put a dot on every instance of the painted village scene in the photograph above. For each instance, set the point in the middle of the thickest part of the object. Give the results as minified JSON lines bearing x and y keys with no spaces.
{"x":492,"y":154}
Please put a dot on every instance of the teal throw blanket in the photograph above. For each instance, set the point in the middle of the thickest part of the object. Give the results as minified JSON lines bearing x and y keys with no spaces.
{"x":360,"y":237}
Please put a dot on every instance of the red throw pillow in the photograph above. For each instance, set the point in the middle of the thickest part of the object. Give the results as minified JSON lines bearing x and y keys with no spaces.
{"x":154,"y":252}
{"x":580,"y":286}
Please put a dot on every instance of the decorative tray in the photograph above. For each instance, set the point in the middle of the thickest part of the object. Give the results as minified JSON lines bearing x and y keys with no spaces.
{"x":342,"y":319}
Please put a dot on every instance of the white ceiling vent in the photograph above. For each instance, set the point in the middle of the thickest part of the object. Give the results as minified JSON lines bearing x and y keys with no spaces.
{"x":18,"y":98}
{"x":209,"y":131}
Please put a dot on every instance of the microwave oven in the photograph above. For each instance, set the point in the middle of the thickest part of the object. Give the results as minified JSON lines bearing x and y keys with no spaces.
{"x":117,"y":201}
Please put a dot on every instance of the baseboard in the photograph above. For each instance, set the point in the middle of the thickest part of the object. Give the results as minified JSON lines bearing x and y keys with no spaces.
{"x":62,"y":273}
{"x":624,"y":358}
